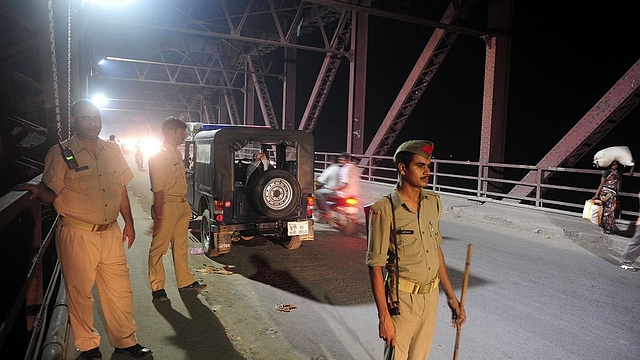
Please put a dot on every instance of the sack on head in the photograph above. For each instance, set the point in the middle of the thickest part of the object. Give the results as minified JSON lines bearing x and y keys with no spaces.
{"x":621,"y":154}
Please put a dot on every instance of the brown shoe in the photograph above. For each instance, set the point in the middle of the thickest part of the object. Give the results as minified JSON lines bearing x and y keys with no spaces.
{"x":193,"y":286}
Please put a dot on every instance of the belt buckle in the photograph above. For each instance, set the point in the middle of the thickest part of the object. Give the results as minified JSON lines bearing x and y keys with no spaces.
{"x":416,"y":288}
{"x":419,"y":288}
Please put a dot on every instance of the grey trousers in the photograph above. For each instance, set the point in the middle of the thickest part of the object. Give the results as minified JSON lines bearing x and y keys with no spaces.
{"x":632,"y":251}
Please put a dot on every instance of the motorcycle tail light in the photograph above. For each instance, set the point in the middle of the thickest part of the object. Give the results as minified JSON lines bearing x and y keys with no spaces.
{"x":352,"y":201}
{"x":311,"y":202}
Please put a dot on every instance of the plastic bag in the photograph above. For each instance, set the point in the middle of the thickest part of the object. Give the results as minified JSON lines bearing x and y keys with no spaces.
{"x":593,"y":211}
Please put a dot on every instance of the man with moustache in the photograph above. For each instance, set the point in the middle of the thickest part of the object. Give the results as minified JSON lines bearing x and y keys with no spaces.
{"x":404,"y":239}
{"x":85,"y":179}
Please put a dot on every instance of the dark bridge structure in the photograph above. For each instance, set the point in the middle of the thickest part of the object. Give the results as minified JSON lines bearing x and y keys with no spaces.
{"x":240,"y":62}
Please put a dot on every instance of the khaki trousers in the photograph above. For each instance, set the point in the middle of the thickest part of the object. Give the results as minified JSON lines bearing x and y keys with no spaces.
{"x":416,"y":321}
{"x":174,"y":231}
{"x":96,"y":257}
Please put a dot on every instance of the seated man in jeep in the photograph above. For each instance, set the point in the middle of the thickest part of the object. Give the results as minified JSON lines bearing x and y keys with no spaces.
{"x":261,"y":164}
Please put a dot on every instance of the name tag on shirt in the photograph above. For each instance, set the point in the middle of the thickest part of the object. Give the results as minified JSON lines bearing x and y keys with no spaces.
{"x":404,"y":232}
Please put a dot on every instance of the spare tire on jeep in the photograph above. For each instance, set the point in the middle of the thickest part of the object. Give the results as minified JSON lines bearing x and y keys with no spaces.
{"x":275,"y":194}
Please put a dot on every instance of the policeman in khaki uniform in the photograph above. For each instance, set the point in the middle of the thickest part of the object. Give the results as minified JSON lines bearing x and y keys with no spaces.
{"x":171,"y":212}
{"x":407,"y":298}
{"x":84,"y":177}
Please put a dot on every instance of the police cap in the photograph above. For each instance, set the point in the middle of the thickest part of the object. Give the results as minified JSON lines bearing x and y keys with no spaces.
{"x":421,"y":147}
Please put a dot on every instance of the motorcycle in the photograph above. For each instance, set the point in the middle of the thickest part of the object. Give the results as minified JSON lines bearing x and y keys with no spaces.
{"x":343,"y":215}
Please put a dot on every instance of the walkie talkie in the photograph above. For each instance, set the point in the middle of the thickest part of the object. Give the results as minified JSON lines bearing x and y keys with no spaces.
{"x":68,"y":156}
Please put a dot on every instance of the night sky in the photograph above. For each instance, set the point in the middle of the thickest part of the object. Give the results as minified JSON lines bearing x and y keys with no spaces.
{"x":563,"y":60}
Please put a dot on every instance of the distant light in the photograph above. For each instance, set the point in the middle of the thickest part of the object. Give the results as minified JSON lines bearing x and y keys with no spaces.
{"x":109,"y":3}
{"x":101,"y":62}
{"x":100,"y":100}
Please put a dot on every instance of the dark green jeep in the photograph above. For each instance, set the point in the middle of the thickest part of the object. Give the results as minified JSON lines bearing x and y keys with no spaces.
{"x":234,"y":199}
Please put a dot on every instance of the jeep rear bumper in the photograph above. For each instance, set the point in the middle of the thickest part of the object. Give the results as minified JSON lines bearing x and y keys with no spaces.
{"x":268,"y":228}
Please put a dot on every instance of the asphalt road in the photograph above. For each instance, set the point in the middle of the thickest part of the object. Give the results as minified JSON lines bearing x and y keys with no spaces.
{"x":531,"y":295}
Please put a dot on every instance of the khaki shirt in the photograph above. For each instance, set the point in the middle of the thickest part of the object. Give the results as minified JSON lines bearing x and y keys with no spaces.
{"x":418,"y":236}
{"x":167,"y":172}
{"x":93,"y":192}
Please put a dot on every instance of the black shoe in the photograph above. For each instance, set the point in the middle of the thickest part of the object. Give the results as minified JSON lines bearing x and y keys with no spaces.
{"x":137,"y":351}
{"x":193,"y":286}
{"x":159,"y":295}
{"x":93,"y":354}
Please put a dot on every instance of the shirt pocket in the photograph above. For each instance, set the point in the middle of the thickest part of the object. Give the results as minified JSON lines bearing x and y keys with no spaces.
{"x":112,"y":172}
{"x":82,"y":181}
{"x":408,"y":245}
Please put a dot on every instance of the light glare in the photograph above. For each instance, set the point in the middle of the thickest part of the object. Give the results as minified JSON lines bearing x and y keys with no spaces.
{"x":108,"y":3}
{"x":100,"y":100}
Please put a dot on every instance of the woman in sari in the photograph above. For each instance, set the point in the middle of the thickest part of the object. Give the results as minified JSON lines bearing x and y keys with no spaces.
{"x":608,"y":194}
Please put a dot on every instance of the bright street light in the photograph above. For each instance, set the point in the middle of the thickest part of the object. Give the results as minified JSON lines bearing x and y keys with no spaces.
{"x":99,"y":100}
{"x":108,"y":3}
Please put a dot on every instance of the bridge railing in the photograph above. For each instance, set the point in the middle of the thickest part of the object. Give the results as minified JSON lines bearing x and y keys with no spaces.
{"x":553,"y":188}
{"x":30,"y":275}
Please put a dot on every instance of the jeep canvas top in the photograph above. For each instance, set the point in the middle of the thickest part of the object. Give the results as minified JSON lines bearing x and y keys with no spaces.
{"x":236,"y":197}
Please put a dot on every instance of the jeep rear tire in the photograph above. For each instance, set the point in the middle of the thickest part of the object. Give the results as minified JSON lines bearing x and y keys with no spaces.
{"x":209,"y":247}
{"x":276,"y":194}
{"x":293,"y":243}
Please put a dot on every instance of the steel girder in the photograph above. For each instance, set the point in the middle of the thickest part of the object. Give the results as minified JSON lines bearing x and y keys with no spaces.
{"x":203,"y":46}
{"x":424,"y":70}
{"x":623,"y":97}
{"x":30,"y":111}
{"x":327,"y":73}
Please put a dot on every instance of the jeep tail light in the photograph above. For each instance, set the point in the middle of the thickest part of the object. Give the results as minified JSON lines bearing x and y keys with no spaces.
{"x":311,"y":202}
{"x":218,"y":210}
{"x":352,"y":201}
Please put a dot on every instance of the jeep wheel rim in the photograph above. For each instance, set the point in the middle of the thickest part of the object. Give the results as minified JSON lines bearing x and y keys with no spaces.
{"x":277,"y":194}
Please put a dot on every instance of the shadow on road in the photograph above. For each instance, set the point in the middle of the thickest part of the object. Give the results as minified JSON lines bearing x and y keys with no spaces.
{"x":201,"y":334}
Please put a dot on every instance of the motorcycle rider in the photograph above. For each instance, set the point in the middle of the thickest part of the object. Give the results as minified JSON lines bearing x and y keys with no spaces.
{"x":329,"y":177}
{"x":348,"y":185}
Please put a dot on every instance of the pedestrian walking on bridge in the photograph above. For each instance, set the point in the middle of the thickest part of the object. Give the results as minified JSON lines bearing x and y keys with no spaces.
{"x":608,"y":193}
{"x":632,"y":251}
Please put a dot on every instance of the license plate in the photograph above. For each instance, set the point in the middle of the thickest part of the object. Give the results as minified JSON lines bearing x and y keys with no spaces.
{"x":297,"y":228}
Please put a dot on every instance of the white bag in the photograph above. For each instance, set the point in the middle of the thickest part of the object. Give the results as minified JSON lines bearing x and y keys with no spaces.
{"x":593,"y":211}
{"x":621,"y":154}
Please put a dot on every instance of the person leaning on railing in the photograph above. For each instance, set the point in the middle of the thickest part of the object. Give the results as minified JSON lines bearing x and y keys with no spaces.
{"x":85,"y":179}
